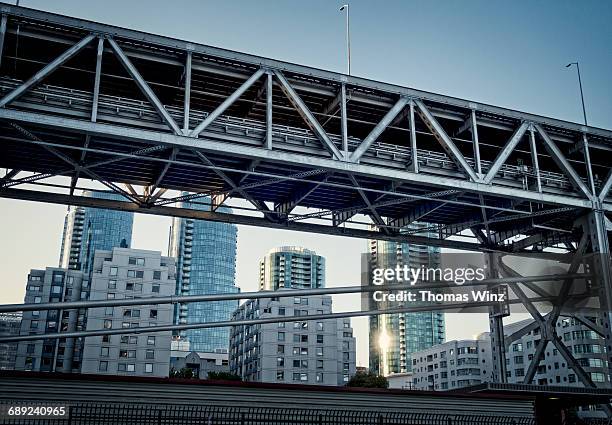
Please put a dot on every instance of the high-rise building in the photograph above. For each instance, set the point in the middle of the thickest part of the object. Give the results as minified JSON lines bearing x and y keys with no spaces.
{"x":394,"y":337}
{"x":206,"y":264}
{"x":320,"y":352}
{"x":291,"y":267}
{"x":87,"y":230}
{"x":10,"y":325}
{"x":120,"y":273}
{"x":52,"y":355}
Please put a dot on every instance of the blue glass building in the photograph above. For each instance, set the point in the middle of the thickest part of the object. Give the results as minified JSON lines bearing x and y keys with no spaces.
{"x":89,"y":229}
{"x":394,"y":337}
{"x":206,"y":264}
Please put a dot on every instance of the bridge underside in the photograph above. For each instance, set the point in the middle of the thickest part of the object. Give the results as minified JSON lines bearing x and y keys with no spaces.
{"x":153,"y":117}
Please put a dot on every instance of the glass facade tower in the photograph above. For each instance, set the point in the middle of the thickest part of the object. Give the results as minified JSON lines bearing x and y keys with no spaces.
{"x":89,"y":229}
{"x":394,"y":337}
{"x":206,"y":264}
{"x":291,"y":267}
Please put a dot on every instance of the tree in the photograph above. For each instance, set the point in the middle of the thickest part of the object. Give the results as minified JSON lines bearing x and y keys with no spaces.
{"x":368,"y":380}
{"x":184,"y":373}
{"x":223,"y":376}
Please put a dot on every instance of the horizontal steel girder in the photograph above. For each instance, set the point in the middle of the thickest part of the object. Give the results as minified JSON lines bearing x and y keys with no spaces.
{"x":171,"y":140}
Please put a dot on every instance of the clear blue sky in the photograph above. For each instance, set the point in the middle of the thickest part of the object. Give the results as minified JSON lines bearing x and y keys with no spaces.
{"x":506,"y":53}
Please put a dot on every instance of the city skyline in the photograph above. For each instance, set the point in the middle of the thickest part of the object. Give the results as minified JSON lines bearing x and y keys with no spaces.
{"x":539,"y":84}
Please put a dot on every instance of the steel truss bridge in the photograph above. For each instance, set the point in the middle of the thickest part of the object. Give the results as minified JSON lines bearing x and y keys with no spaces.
{"x":152,"y":117}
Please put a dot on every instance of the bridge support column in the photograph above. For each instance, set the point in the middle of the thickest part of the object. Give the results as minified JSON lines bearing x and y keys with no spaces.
{"x":496,"y":324}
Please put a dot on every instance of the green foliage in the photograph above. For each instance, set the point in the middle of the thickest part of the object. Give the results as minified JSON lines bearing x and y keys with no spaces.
{"x":368,"y":380}
{"x":184,"y":373}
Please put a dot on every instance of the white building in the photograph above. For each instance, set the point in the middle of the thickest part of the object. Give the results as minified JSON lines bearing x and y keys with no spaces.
{"x":457,"y":364}
{"x":125,"y":274}
{"x":318,"y":352}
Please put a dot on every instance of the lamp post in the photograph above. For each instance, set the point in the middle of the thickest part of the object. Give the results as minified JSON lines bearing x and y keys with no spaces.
{"x":348,"y":37}
{"x":585,"y":142}
{"x":581,"y":93}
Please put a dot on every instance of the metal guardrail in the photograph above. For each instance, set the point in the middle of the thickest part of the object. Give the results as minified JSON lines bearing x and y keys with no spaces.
{"x":155,"y":414}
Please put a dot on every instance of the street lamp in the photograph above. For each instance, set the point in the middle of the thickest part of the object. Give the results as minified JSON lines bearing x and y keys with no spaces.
{"x":348,"y":37}
{"x":581,"y":93}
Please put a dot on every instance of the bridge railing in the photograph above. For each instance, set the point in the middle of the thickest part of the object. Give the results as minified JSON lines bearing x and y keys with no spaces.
{"x":180,"y":414}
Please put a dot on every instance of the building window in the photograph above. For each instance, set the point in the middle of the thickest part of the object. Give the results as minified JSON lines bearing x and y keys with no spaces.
{"x":280,"y":375}
{"x":137,"y":261}
{"x":131,"y":367}
{"x":103,"y":351}
{"x":150,"y":340}
{"x":112,"y":284}
{"x":296,"y":363}
{"x":56,"y":289}
{"x":319,"y":376}
{"x":319,"y":364}
{"x":30,"y":348}
{"x":155,"y":288}
{"x":150,"y":354}
{"x":280,"y":349}
{"x":297,"y":300}
{"x":34,"y":324}
{"x":280,"y":361}
{"x":103,"y":366}
{"x":148,"y":367}
{"x":106,"y":338}
{"x":153,"y":314}
{"x":319,"y":351}
{"x":37,"y":300}
{"x":131,"y":286}
{"x":113,"y":271}
{"x":156,"y":275}
{"x":110,"y":296}
{"x":281,"y":336}
{"x":320,"y":326}
{"x":319,"y":339}
{"x":281,"y":324}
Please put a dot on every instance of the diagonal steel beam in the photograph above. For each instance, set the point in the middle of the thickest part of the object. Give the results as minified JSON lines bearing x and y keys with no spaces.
{"x":538,"y":356}
{"x":9,"y":176}
{"x":163,"y":171}
{"x":144,"y":87}
{"x":308,"y":117}
{"x":376,"y":218}
{"x":3,"y":22}
{"x":378,"y":129}
{"x":507,"y":271}
{"x":445,"y":141}
{"x":294,"y":199}
{"x":261,"y":206}
{"x":571,"y":362}
{"x":563,"y":163}
{"x":600,"y":330}
{"x":226,"y":103}
{"x":96,"y":91}
{"x":505,"y":152}
{"x":417,"y":213}
{"x":75,"y":165}
{"x":606,"y":187}
{"x":45,"y":71}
